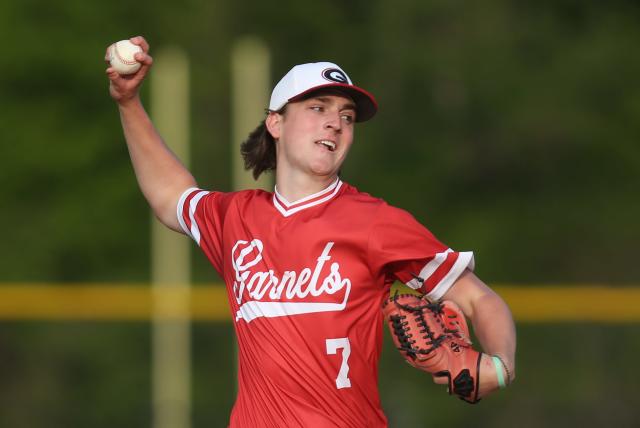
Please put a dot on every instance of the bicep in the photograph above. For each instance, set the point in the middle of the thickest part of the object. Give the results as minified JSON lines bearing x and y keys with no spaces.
{"x":467,"y":291}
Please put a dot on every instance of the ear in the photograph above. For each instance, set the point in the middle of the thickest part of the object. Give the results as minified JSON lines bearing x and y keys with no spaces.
{"x":273,"y":123}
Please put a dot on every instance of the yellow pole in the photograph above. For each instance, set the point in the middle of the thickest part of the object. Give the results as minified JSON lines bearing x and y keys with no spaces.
{"x":250,"y":64}
{"x":170,"y":256}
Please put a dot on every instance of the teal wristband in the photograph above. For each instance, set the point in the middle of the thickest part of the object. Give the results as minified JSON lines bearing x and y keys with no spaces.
{"x":498,"y":364}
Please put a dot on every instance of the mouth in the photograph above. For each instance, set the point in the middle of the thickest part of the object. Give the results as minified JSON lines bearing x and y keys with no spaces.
{"x":330,"y":145}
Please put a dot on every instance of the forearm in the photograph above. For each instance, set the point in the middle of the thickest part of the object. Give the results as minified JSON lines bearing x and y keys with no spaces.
{"x":493,"y":326}
{"x":490,"y":316}
{"x":160,"y":174}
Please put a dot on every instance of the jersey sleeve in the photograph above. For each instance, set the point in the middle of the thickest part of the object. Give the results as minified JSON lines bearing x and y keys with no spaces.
{"x":201,"y":217}
{"x":403,"y":249}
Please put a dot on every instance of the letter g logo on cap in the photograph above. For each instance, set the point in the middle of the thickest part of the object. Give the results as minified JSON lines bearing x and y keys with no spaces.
{"x":335,"y":75}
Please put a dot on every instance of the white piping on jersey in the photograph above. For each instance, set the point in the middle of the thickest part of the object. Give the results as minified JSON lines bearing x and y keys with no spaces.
{"x":306,"y":198}
{"x":465,"y":259}
{"x":286,"y":210}
{"x":429,"y":269}
{"x":193,"y":232}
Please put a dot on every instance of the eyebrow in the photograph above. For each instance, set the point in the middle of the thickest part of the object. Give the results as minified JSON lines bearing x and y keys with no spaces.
{"x":350,"y":105}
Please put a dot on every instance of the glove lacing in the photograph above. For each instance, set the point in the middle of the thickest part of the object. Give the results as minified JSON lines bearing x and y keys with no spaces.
{"x":405,"y":338}
{"x":436,"y":308}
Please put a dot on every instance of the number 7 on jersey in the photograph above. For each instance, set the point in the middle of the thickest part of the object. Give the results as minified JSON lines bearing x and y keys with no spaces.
{"x":342,"y":381}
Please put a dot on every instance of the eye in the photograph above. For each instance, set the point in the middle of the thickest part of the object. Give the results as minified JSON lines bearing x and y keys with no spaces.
{"x":317,"y":108}
{"x":348,"y":117}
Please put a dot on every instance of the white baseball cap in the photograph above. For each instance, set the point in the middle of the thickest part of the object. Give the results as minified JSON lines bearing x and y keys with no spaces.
{"x":303,"y":79}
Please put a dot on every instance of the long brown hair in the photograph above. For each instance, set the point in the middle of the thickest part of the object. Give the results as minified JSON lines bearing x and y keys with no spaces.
{"x":259,"y":151}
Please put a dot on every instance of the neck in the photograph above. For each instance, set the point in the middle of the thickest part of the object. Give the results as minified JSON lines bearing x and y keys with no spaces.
{"x":295,"y":187}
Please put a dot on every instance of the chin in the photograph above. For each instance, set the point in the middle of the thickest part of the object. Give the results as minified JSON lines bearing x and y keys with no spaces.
{"x":321,"y":173}
{"x":324,"y":170}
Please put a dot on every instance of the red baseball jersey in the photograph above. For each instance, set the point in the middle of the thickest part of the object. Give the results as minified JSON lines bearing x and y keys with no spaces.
{"x":306,"y":281}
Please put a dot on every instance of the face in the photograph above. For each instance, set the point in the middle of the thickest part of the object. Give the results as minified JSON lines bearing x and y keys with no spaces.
{"x":313,"y":136}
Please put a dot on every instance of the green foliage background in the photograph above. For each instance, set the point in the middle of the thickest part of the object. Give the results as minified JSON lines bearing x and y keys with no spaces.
{"x":508,"y":128}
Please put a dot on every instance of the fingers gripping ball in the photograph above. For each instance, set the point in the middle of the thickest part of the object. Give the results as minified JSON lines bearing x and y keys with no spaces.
{"x":434,"y":337}
{"x":121,"y":57}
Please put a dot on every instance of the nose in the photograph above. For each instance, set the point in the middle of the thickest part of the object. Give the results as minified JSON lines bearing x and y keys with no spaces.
{"x":333,"y":121}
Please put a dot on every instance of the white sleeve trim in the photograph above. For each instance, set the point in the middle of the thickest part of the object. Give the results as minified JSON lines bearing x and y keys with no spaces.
{"x":465,"y":260}
{"x":429,"y":269}
{"x":194,"y":231}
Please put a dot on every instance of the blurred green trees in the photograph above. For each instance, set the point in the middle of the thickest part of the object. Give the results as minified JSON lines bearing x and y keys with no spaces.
{"x":507,"y":129}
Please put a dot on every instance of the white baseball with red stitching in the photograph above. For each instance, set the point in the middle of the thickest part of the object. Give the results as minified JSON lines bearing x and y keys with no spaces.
{"x":121,"y":57}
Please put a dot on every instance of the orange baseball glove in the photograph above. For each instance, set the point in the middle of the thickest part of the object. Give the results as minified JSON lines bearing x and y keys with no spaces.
{"x":434,"y":337}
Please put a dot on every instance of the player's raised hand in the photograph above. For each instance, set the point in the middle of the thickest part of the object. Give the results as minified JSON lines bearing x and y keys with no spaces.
{"x":125,"y":87}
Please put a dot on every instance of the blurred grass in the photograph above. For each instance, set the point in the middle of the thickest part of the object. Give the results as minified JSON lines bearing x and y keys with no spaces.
{"x":567,"y":375}
{"x":98,"y":375}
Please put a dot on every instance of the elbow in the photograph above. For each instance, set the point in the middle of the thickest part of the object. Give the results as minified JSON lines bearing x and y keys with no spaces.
{"x":166,"y":214}
{"x":165,"y":209}
{"x":164,"y":202}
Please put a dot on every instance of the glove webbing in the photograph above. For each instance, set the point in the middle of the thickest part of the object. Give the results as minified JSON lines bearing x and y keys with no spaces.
{"x":405,"y":338}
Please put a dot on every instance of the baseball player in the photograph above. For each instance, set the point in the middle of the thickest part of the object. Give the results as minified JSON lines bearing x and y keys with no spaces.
{"x":308,"y":266}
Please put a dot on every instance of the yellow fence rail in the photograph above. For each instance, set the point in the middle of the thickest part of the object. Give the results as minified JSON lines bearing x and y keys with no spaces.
{"x":135,"y":302}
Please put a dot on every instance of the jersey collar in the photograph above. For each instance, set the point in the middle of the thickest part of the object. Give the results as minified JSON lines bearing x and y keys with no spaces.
{"x":287,"y":208}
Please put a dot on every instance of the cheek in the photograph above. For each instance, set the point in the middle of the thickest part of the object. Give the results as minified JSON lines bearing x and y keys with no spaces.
{"x":297,"y":128}
{"x":347,"y":138}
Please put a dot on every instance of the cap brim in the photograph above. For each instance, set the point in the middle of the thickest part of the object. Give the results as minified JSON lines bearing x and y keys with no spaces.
{"x":366,"y":105}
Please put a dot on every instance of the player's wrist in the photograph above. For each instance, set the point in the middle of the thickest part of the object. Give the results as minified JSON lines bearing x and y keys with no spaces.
{"x":503,"y":373}
{"x":500,"y":372}
{"x":129,"y":101}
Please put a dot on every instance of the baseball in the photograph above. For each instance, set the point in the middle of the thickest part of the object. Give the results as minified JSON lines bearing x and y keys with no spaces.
{"x":121,"y":57}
